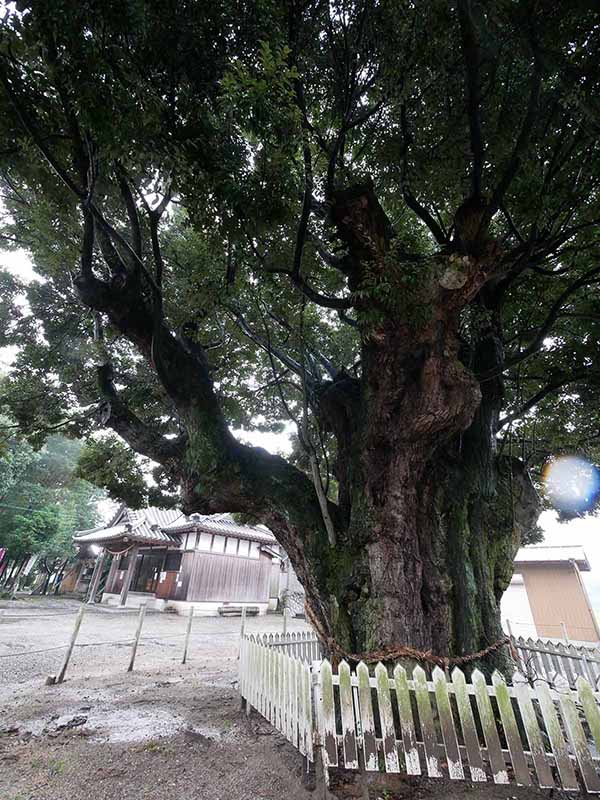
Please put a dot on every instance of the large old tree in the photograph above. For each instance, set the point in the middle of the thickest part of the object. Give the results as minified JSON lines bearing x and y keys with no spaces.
{"x":375,"y":218}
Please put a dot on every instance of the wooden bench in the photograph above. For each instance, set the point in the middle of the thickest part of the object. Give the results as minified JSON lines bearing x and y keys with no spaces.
{"x":236,"y":611}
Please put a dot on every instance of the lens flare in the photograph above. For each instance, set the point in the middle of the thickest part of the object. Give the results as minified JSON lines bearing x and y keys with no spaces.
{"x":572,"y":484}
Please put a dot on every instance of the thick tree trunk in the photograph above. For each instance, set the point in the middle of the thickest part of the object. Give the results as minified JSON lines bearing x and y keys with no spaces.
{"x":432,"y":530}
{"x":427,"y":559}
{"x":396,"y":587}
{"x":417,"y":397}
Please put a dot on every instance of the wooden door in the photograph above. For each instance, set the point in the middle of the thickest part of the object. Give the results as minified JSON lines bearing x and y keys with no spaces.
{"x":167,"y":584}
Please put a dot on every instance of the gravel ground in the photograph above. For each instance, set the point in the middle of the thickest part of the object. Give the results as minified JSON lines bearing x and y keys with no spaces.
{"x":23,"y":628}
{"x":165,"y":729}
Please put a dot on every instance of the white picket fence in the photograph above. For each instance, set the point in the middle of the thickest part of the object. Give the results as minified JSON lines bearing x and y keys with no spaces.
{"x":543,"y":658}
{"x":278,"y":685}
{"x":444,"y":727}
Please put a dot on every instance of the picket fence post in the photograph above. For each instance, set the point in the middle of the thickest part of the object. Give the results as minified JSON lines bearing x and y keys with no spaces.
{"x":367,"y":721}
{"x":136,"y":639}
{"x":187,"y":635}
{"x":67,"y":658}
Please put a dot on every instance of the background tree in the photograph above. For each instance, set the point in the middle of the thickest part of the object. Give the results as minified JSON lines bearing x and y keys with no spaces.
{"x":376,"y":218}
{"x":43,"y":503}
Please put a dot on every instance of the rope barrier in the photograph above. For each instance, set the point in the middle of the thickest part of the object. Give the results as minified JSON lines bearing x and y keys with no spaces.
{"x":99,"y":644}
{"x":91,"y":644}
{"x":118,"y":552}
{"x":37,"y":616}
{"x":93,"y":609}
{"x":395,"y":652}
{"x":33,"y":652}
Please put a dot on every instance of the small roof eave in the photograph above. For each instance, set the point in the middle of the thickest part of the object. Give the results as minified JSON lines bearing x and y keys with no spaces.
{"x":99,"y":534}
{"x":540,"y":555}
{"x":126,"y":534}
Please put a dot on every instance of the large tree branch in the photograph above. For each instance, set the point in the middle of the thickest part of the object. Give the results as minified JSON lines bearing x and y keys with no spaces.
{"x":217,"y":472}
{"x":549,"y":388}
{"x":327,"y":301}
{"x":87,"y":246}
{"x":520,"y":146}
{"x":411,"y":201}
{"x":29,"y":127}
{"x":553,"y":314}
{"x":79,"y":191}
{"x":140,"y":436}
{"x":80,"y":161}
{"x":110,"y":254}
{"x":132,"y":212}
{"x":470,"y":48}
{"x":326,"y":363}
{"x":306,"y":207}
{"x":268,"y":346}
{"x":116,"y":414}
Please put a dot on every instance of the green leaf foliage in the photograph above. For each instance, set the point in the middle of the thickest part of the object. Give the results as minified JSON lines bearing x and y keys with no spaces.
{"x":109,"y":463}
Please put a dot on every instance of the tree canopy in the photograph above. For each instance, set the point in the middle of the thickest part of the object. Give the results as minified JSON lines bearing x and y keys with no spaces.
{"x":374,"y":217}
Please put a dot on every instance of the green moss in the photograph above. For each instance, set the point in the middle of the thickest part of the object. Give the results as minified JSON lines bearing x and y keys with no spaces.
{"x":372,"y":611}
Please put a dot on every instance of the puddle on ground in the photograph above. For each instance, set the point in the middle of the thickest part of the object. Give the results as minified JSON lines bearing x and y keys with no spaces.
{"x":123,"y":725}
{"x":133,"y":724}
{"x":207,"y":731}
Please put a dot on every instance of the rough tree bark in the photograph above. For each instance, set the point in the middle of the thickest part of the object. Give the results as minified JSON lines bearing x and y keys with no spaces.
{"x":433,"y":516}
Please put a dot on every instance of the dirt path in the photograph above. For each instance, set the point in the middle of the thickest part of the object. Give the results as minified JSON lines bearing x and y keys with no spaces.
{"x":144,"y":735}
{"x":163,"y":731}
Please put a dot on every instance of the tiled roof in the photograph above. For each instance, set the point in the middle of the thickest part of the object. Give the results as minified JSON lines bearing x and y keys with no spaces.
{"x":156,"y":516}
{"x":221,"y":523}
{"x":156,"y":525}
{"x":100,"y":534}
{"x":142,"y":534}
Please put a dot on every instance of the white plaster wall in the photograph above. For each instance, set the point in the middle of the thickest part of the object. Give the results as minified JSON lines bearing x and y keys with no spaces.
{"x":515,"y":607}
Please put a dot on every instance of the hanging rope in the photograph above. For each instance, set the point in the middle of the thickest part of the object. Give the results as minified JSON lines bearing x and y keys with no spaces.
{"x":120,"y":552}
{"x":395,"y":652}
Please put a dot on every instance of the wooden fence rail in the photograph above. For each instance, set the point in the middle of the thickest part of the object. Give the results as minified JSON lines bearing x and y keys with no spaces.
{"x":546,"y":659}
{"x":389,"y":721}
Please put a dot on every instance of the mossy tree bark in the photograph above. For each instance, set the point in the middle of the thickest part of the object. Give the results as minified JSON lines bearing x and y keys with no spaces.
{"x":429,"y":508}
